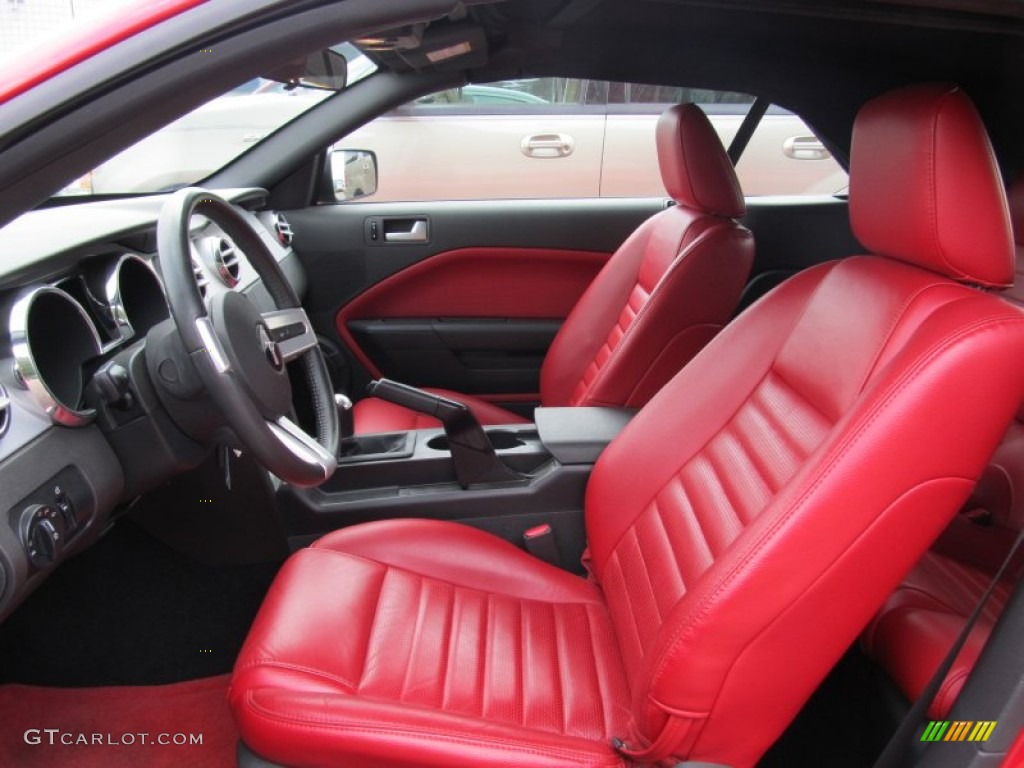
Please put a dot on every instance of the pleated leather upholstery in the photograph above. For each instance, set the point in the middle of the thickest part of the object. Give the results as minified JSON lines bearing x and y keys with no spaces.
{"x":700,"y":511}
{"x":528,"y":680}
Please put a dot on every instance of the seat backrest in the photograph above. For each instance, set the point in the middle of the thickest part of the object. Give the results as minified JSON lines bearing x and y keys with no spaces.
{"x":668,"y":289}
{"x":1000,"y":491}
{"x":748,"y":522}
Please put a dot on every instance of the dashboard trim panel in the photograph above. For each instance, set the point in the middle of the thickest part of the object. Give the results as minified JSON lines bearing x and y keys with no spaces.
{"x":24,"y":359}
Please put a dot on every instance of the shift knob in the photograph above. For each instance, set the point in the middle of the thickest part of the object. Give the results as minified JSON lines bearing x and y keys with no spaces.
{"x":345,"y":425}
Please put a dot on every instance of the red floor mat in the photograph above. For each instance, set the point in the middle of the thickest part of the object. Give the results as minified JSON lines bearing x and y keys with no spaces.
{"x":117,"y":719}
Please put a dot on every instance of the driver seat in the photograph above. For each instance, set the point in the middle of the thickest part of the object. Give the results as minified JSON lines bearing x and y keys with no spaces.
{"x":743,"y":528}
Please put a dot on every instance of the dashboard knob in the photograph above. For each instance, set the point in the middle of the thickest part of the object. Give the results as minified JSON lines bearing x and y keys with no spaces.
{"x":40,"y":535}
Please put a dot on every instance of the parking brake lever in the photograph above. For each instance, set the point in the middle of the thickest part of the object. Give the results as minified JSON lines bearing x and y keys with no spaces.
{"x":472,"y":453}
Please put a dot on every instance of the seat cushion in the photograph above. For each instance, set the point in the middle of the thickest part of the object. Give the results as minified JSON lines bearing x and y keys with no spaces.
{"x":371,"y":414}
{"x":418,"y":642}
{"x":914,"y":630}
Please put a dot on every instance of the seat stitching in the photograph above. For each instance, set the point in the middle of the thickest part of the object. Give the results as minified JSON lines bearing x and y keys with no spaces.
{"x":665,"y":350}
{"x":813,"y":585}
{"x":848,"y":442}
{"x":266,"y":662}
{"x":827,"y":268}
{"x":389,"y":567}
{"x":562,"y":713}
{"x":631,"y":612}
{"x":684,"y":255}
{"x":894,"y":323}
{"x":433,"y":733}
{"x":645,"y":568}
{"x":455,"y":629}
{"x":416,"y":629}
{"x":602,"y":691}
{"x":519,"y":660}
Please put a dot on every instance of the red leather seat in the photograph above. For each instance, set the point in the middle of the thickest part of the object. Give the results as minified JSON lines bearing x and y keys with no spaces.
{"x":660,"y":298}
{"x":912,"y":633}
{"x":914,"y":630}
{"x":743,"y":528}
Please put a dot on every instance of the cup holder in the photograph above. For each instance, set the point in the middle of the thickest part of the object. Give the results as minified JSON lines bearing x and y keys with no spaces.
{"x":501,"y":440}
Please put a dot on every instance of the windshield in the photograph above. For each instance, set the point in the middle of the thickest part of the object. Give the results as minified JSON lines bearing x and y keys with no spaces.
{"x":209,"y":137}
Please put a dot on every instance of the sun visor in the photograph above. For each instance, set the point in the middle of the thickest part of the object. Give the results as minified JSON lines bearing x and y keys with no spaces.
{"x":443,"y":47}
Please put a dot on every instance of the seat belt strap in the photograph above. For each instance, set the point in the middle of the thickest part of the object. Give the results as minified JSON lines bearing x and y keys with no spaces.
{"x":896,"y":751}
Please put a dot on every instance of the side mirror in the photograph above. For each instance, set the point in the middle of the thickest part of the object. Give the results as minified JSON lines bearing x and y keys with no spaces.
{"x":353,"y":173}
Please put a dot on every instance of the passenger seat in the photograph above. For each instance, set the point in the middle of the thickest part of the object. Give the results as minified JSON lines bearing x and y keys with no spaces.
{"x":661,"y":297}
{"x":912,"y":633}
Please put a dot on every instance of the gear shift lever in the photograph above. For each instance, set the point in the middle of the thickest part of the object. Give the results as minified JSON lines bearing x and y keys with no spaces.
{"x":345,"y":423}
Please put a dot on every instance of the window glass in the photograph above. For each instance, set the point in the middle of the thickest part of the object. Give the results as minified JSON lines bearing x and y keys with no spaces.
{"x":784,"y":157}
{"x":210,"y":136}
{"x":562,"y":137}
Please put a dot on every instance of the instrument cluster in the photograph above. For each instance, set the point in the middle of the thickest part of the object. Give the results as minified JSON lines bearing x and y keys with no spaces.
{"x":60,"y":332}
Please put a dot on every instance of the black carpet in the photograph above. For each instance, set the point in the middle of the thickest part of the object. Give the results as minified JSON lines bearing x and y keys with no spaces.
{"x":132,"y":611}
{"x":845,"y":723}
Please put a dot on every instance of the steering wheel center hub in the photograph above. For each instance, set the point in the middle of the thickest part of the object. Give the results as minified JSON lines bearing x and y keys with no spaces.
{"x":253,"y":354}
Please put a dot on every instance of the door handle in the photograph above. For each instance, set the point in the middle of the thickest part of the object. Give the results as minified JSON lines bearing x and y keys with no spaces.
{"x":405,"y":231}
{"x":805,"y":148}
{"x":547,"y":145}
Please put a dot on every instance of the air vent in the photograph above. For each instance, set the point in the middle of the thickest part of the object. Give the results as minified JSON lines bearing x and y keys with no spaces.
{"x":5,"y":411}
{"x":225,"y":259}
{"x":283,"y":230}
{"x":201,"y":281}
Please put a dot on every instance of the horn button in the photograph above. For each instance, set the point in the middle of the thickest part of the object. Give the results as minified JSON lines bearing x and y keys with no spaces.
{"x":253,"y":355}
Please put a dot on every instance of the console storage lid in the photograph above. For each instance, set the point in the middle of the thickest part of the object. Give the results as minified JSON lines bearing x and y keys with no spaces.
{"x":578,"y":435}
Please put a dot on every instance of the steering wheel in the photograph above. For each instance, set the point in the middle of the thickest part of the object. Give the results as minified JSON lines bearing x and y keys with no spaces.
{"x":240,"y":353}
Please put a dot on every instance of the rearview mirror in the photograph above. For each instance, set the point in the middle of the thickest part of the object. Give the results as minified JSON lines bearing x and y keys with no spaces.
{"x":326,"y":70}
{"x":353,"y":173}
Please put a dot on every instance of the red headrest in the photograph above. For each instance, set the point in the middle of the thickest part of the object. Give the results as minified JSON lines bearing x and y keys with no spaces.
{"x":694,"y":166}
{"x":924,"y":186}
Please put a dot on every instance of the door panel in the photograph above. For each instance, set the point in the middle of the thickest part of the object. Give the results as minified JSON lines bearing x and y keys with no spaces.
{"x":490,"y":290}
{"x":481,"y":355}
{"x":490,"y":266}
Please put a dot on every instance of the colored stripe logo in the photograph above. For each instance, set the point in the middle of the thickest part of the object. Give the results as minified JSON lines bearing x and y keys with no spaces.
{"x":958,"y":730}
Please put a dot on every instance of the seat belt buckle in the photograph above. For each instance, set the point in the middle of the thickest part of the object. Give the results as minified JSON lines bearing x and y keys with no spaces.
{"x":540,"y":542}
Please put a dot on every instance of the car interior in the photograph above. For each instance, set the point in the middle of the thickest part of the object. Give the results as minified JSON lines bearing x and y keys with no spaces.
{"x":704,"y":479}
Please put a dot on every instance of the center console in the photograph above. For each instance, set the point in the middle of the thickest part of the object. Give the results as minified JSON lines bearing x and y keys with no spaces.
{"x":506,"y":479}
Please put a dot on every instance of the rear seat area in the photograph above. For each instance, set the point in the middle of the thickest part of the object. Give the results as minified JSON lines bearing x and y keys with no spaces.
{"x":913,"y":631}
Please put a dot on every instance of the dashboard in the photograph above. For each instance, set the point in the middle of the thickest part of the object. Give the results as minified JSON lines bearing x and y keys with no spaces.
{"x":80,"y":289}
